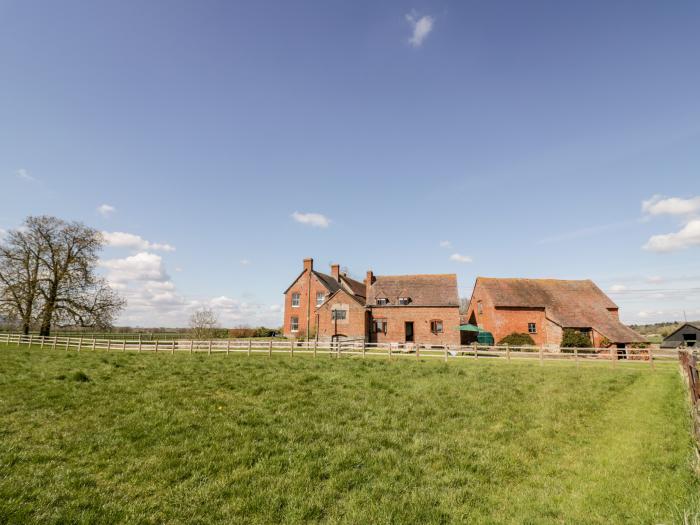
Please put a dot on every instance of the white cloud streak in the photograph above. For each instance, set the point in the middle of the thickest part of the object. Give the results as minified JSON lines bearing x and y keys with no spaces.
{"x":687,"y":236}
{"x":445,"y":244}
{"x":421,"y":28}
{"x":457,"y":257}
{"x":134,"y":242}
{"x":660,"y":205}
{"x":106,"y":210}
{"x":25,"y":175}
{"x":316,"y":220}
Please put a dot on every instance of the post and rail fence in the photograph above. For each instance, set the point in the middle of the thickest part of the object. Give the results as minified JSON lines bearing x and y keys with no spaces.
{"x":337,"y":349}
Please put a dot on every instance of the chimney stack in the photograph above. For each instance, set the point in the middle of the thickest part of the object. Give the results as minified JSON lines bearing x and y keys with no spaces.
{"x":335,"y":271}
{"x":309,"y":264}
{"x":368,"y":282}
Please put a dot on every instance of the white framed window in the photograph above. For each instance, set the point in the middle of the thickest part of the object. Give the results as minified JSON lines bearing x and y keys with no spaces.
{"x":320,"y":296}
{"x":531,"y":328}
{"x":382,"y":301}
{"x":296,"y":299}
{"x":294,"y":324}
{"x":339,"y":315}
{"x":404,"y":300}
{"x":436,"y":326}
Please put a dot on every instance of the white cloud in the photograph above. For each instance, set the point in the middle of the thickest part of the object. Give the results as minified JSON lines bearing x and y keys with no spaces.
{"x":312,"y":219}
{"x":618,"y":288}
{"x":655,"y":279}
{"x":686,"y":237}
{"x":106,"y":210}
{"x":25,"y":175}
{"x":445,"y":244}
{"x":460,"y":258}
{"x":660,"y":205}
{"x":244,"y":262}
{"x":143,"y":266}
{"x":421,"y":28}
{"x":134,"y":242}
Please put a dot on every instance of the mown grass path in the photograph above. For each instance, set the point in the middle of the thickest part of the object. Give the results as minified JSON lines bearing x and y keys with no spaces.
{"x":96,"y":437}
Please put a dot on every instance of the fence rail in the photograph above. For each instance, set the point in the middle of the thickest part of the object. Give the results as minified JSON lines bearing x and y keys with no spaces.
{"x":342,"y":348}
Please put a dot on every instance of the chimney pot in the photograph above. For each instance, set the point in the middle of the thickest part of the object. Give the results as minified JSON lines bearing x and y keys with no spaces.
{"x":335,"y":271}
{"x":308,"y":264}
{"x":368,"y":282}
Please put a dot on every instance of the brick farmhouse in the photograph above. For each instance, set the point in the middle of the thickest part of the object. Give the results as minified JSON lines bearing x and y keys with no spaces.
{"x":400,"y":308}
{"x":543,"y":308}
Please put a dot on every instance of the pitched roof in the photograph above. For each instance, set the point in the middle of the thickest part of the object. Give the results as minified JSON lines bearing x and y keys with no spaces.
{"x":423,"y":290}
{"x":356,"y":287}
{"x":327,"y":281}
{"x":570,"y":304}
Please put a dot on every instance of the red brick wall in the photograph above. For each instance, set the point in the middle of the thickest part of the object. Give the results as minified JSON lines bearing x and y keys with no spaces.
{"x":397,"y":316}
{"x":303,"y":285}
{"x":355,"y":324}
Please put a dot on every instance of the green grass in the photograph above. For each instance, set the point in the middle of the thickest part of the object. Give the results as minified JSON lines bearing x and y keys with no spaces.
{"x":97,"y":437}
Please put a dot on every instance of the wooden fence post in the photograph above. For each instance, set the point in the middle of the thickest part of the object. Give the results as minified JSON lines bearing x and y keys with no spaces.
{"x":123,"y":345}
{"x":55,"y":340}
{"x":612,"y":358}
{"x":80,"y":343}
{"x":476,"y":351}
{"x":209,"y":348}
{"x":42,"y":341}
{"x":315,"y":346}
{"x":389,"y":351}
{"x":651,"y":358}
{"x":109,"y":343}
{"x":172,"y":351}
{"x":93,"y":344}
{"x":363,"y":348}
{"x":508,"y":353}
{"x":269,"y":349}
{"x":291,"y":347}
{"x":417,"y":351}
{"x":541,"y":355}
{"x":67,"y":343}
{"x":446,"y":354}
{"x":576,"y":356}
{"x":31,"y":338}
{"x":139,"y":350}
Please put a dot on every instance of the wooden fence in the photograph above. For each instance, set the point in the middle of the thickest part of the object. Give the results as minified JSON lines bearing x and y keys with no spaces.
{"x":689,"y":367}
{"x":269,"y":347}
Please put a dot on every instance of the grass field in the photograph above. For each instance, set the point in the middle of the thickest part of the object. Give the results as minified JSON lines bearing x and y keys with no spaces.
{"x":96,"y":437}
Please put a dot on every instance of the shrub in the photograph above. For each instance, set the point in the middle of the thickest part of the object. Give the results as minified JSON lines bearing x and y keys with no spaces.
{"x":574,"y":339}
{"x":516,"y":339}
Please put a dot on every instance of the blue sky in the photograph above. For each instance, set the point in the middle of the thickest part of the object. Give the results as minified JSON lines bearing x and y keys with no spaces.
{"x":531,"y":139}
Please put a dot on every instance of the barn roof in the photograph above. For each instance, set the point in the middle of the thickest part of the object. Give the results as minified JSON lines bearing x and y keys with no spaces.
{"x":423,"y":290}
{"x":569,"y":303}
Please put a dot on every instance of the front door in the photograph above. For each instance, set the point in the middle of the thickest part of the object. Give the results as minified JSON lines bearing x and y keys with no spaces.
{"x":409,"y":331}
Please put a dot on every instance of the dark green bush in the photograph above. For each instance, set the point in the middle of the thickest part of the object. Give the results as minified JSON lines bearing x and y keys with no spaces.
{"x":574,"y":339}
{"x":516,"y":339}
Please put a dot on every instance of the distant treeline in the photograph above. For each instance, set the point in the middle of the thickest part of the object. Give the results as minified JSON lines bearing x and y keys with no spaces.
{"x":662,"y":329}
{"x":160,"y":332}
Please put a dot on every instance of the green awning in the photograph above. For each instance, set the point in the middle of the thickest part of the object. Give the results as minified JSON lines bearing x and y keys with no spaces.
{"x":469,"y":328}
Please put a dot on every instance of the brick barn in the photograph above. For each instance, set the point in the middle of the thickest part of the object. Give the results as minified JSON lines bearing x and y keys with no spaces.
{"x":543,"y":308}
{"x":398,"y":309}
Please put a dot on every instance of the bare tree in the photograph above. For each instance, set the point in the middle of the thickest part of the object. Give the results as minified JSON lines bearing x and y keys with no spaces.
{"x":202,"y":323}
{"x":463,"y":305}
{"x":48,"y":276}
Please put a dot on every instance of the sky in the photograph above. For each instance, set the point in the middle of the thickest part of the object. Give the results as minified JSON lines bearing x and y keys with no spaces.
{"x":218,"y":143}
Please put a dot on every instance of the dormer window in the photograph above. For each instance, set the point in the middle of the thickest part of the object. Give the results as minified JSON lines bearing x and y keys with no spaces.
{"x":404,"y":300}
{"x":381,"y":301}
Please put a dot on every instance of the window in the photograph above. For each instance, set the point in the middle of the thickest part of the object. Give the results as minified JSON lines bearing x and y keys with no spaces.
{"x":404,"y":300}
{"x":436,"y":326}
{"x":382,"y":301}
{"x":294,"y":324}
{"x":480,"y":308}
{"x":320,"y":296}
{"x":296,"y":299}
{"x":379,"y":326}
{"x":339,"y":315}
{"x":531,"y":328}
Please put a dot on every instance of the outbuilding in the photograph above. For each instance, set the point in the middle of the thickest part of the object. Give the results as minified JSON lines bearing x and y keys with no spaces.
{"x":686,"y":336}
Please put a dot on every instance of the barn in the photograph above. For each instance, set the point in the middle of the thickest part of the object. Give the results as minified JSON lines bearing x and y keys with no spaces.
{"x":686,"y":336}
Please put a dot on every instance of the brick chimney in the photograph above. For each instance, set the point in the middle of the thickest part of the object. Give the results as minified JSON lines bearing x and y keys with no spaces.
{"x":309,"y":264}
{"x":368,"y":282}
{"x":335,"y":271}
